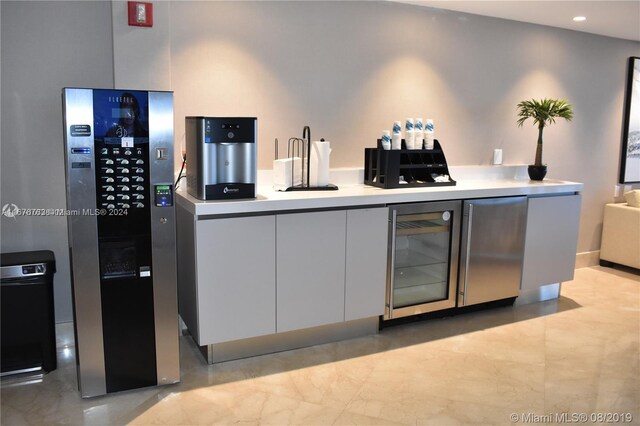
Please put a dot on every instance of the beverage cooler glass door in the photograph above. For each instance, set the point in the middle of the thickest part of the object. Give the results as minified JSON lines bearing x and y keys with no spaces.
{"x":424,"y":242}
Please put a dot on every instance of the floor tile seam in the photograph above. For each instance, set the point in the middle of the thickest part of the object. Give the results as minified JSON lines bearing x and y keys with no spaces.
{"x":457,"y":351}
{"x":510,"y":380}
{"x":197,"y":394}
{"x":491,"y":408}
{"x":335,"y":422}
{"x":601,"y":302}
{"x":361,"y":383}
{"x":380,"y":420}
{"x":317,"y":405}
{"x":300,"y":395}
{"x":583,"y":321}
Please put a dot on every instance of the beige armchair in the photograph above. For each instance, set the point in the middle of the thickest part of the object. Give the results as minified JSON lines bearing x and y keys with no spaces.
{"x":621,"y":235}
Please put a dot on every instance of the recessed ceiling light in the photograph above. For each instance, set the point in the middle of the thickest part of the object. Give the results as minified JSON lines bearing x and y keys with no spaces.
{"x":579,"y":18}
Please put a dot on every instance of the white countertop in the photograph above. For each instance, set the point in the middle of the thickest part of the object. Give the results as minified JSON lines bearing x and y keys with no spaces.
{"x":357,"y":194}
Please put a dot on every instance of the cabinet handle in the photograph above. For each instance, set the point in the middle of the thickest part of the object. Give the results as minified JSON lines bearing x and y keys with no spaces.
{"x":466,"y":253}
{"x":394,"y":214}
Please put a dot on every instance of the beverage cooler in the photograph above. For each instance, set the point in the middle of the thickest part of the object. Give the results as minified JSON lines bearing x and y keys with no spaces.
{"x":119,"y":173}
{"x":423,"y":248}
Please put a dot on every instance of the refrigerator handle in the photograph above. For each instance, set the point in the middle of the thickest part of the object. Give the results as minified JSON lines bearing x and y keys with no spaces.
{"x":392,"y":265}
{"x":466,"y":252}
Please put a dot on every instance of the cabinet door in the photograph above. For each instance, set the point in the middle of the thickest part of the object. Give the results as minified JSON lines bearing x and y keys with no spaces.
{"x":236,"y":278}
{"x":311,"y":268}
{"x":493,"y":237}
{"x":366,"y":273}
{"x":551,"y":241}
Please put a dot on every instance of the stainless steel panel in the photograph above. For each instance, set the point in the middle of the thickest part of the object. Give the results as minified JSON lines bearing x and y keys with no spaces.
{"x":401,"y":217}
{"x":388,"y":311}
{"x":493,"y":249}
{"x":194,"y":134}
{"x":271,"y":343}
{"x":187,"y":268}
{"x":207,"y":166}
{"x":16,"y":271}
{"x":163,"y":240}
{"x":235,"y":162}
{"x":25,"y":370}
{"x":466,"y":255}
{"x":216,"y":162}
{"x":540,"y":294}
{"x":83,"y":244}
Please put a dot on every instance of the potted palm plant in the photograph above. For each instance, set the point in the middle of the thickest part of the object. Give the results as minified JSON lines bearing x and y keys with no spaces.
{"x":543,"y":112}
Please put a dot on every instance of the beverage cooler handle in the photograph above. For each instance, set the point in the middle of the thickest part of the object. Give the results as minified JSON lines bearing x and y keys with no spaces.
{"x":392,"y":264}
{"x":466,"y":253}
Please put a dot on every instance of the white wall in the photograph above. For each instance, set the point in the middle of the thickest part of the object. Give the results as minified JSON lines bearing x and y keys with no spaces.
{"x":347,"y":69}
{"x":142,"y":57}
{"x":45,"y":46}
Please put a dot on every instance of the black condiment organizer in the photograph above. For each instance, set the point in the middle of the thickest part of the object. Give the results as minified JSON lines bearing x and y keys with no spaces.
{"x":383,"y":168}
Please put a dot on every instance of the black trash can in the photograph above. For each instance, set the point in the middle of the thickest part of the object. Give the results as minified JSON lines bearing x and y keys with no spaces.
{"x":28,"y":339}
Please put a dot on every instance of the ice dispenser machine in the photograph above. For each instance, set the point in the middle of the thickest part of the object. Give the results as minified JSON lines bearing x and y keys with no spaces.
{"x":221,"y":157}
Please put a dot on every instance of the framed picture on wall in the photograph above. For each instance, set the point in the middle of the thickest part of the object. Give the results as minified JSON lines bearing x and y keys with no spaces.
{"x":630,"y":158}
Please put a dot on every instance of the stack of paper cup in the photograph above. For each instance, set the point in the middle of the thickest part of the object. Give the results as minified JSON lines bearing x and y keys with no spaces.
{"x":396,"y":136}
{"x":386,"y":140}
{"x":409,"y":137}
{"x":418,"y":132}
{"x":429,"y":134}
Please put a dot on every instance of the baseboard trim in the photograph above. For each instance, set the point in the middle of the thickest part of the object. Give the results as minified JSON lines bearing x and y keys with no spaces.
{"x":237,"y":349}
{"x":587,"y":259}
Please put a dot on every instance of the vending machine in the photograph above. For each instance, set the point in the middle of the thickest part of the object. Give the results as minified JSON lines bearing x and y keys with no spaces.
{"x":121,"y":223}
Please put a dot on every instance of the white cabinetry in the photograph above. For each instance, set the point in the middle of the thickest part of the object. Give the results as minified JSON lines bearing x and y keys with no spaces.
{"x":551,"y":240}
{"x":236,"y":276}
{"x":365,"y":279}
{"x":311,"y":269}
{"x":331,"y":266}
{"x":252,"y":276}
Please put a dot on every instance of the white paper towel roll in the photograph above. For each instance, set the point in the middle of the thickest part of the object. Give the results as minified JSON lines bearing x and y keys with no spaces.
{"x":319,"y":163}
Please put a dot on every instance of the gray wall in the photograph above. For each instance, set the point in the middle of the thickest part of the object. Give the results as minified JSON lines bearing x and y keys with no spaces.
{"x":347,"y":69}
{"x":45,"y":47}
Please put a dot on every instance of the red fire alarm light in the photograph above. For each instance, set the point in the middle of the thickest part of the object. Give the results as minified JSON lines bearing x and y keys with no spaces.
{"x":140,"y":14}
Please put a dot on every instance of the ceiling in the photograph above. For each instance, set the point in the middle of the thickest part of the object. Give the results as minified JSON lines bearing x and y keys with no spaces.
{"x":620,"y":19}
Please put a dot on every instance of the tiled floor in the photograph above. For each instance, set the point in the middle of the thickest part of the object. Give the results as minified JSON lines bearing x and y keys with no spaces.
{"x":577,"y":355}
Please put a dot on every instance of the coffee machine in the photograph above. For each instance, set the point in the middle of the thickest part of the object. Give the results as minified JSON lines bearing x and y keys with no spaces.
{"x":119,"y":179}
{"x":221,"y":157}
